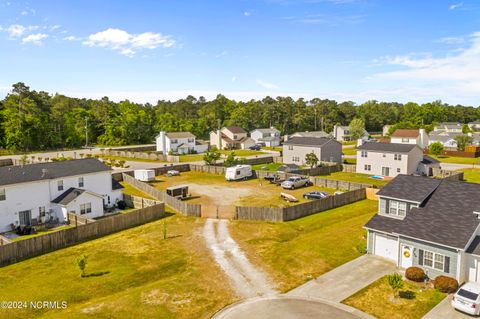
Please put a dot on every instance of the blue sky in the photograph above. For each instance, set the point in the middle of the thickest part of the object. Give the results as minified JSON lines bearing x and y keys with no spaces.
{"x":340,"y":49}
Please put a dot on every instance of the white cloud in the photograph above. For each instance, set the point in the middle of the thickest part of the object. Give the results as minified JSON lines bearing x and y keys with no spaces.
{"x":247,"y":13}
{"x":452,"y":40}
{"x":454,"y":76}
{"x":223,"y":53}
{"x":18,"y":30}
{"x":234,"y":78}
{"x":35,"y":38}
{"x":24,"y":13}
{"x":126,"y":43}
{"x":267,"y":85}
{"x":71,"y":38}
{"x":456,"y":6}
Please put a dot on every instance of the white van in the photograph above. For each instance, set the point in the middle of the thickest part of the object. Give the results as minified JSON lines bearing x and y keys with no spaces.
{"x":144,"y":175}
{"x":238,"y":172}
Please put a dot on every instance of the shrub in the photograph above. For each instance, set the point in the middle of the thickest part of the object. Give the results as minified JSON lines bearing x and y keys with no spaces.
{"x":407,"y":294}
{"x":82,"y":264}
{"x":395,"y":281}
{"x":415,"y":274}
{"x":121,"y":204}
{"x":446,"y":284}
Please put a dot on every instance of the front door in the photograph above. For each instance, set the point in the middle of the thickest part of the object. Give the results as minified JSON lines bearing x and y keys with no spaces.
{"x":25,"y":217}
{"x":386,"y":171}
{"x":407,"y":256}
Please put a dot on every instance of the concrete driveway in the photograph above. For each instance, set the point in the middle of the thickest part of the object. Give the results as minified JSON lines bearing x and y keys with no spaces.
{"x":280,"y":307}
{"x":342,"y":282}
{"x":445,"y":311}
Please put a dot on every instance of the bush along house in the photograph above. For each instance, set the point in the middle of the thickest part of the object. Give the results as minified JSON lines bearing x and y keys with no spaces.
{"x":429,"y":223}
{"x":40,"y":193}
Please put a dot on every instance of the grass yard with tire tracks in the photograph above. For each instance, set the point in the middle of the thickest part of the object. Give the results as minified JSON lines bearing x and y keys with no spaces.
{"x":297,"y":251}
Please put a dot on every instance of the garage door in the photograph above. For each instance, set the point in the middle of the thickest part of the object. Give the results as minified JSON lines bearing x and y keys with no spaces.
{"x":473,"y":268}
{"x":386,"y":246}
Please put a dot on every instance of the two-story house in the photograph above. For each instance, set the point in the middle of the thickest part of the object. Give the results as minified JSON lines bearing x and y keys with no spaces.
{"x":179,"y":143}
{"x":448,"y":127}
{"x":474,"y":126}
{"x":429,"y":223}
{"x":296,"y":149}
{"x":342,"y":133}
{"x":407,"y":136}
{"x":388,"y":159}
{"x":35,"y":193}
{"x":267,"y":136}
{"x":231,"y":137}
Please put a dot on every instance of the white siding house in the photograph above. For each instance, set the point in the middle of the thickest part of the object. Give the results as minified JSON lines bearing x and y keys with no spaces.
{"x":35,"y":193}
{"x":268,"y":136}
{"x":342,"y":133}
{"x":326,"y":149}
{"x":388,"y":159}
{"x":406,"y":136}
{"x":231,"y":137}
{"x":179,"y":143}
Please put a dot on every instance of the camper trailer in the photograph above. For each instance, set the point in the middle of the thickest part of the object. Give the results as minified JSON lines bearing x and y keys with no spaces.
{"x":238,"y":172}
{"x":144,"y":175}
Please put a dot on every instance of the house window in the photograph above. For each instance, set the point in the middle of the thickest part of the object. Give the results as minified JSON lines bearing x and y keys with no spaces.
{"x":405,"y":140}
{"x":173,"y":141}
{"x":364,"y":154}
{"x":382,"y":206}
{"x":397,"y":208}
{"x":368,"y":167}
{"x":398,"y":170}
{"x":80,"y":182}
{"x":190,"y":140}
{"x":397,"y":157}
{"x":434,"y":260}
{"x":384,"y":155}
{"x":41,"y":211}
{"x":60,"y":185}
{"x":234,"y":137}
{"x":85,"y":208}
{"x":3,"y":195}
{"x":290,"y":147}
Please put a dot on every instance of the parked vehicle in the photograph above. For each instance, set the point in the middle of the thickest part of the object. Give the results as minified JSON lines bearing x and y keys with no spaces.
{"x":238,"y":172}
{"x":172,"y":172}
{"x":289,"y":198}
{"x":274,"y":179}
{"x":178,"y":191}
{"x":467,"y":299}
{"x":315,"y":195}
{"x":255,"y":147}
{"x":296,"y":182}
{"x":144,"y":175}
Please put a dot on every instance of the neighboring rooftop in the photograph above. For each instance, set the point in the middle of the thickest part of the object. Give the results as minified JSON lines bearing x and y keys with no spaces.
{"x":410,"y":188}
{"x":311,"y":134}
{"x":235,"y":129}
{"x":308,"y":141}
{"x":406,"y":133}
{"x":179,"y":135}
{"x":52,"y":170}
{"x":387,"y":147}
{"x":267,"y":130}
{"x":66,"y":197}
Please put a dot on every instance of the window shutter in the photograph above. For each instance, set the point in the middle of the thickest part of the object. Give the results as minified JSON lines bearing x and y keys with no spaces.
{"x":446,"y":266}
{"x":420,"y":257}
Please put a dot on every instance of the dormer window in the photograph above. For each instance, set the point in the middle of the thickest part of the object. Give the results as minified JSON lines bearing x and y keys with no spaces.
{"x":397,"y":208}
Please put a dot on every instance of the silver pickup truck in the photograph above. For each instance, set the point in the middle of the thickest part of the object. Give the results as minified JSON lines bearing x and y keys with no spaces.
{"x":296,"y":182}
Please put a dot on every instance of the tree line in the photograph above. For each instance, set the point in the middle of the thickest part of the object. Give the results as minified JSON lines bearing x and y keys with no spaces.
{"x":31,"y":120}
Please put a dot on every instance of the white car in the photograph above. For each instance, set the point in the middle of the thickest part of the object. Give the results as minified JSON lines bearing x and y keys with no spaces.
{"x":467,"y":299}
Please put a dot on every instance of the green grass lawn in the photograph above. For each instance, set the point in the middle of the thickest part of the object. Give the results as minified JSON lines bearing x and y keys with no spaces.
{"x":458,"y":160}
{"x":297,"y":251}
{"x":349,"y":151}
{"x":351,"y":161}
{"x":349,"y":142}
{"x":43,"y":232}
{"x":272,"y":167}
{"x":130,"y":159}
{"x":276,"y":148}
{"x":146,"y":276}
{"x":471,"y":175}
{"x":130,"y":190}
{"x":377,"y":300}
{"x":356,"y":177}
{"x":238,"y":153}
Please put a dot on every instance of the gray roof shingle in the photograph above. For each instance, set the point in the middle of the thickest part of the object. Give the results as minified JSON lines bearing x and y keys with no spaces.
{"x":67,"y":196}
{"x":410,"y":188}
{"x":387,"y":147}
{"x":52,"y":170}
{"x":309,"y":141}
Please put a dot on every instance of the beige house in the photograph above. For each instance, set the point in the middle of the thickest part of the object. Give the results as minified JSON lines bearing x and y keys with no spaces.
{"x":388,"y":159}
{"x":406,"y":136}
{"x":231,"y":137}
{"x":296,"y":149}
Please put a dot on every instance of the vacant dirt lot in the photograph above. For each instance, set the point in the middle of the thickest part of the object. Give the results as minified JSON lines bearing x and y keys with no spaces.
{"x":213,"y":189}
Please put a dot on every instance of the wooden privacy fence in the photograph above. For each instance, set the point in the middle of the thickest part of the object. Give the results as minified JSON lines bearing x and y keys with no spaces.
{"x":300,"y":210}
{"x":349,"y":168}
{"x":78,"y":220}
{"x":446,"y":174}
{"x":23,"y":249}
{"x":183,"y":207}
{"x":211,"y":169}
{"x":158,"y":170}
{"x":139,"y":202}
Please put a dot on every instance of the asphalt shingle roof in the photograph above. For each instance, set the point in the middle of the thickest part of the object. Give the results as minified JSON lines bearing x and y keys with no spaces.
{"x":235,"y":129}
{"x":447,"y":218}
{"x":309,"y":141}
{"x":179,"y":135}
{"x":52,"y":170}
{"x":387,"y":147}
{"x":410,"y":188}
{"x":405,"y":133}
{"x":69,"y":195}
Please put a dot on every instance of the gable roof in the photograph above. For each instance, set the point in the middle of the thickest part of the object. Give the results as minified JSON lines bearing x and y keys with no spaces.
{"x":52,"y":170}
{"x":70,"y":194}
{"x":311,"y":134}
{"x":447,"y":218}
{"x":406,"y":133}
{"x":410,"y":188}
{"x":235,"y":129}
{"x":309,"y":141}
{"x":179,"y":135}
{"x":387,"y":147}
{"x":266,"y":130}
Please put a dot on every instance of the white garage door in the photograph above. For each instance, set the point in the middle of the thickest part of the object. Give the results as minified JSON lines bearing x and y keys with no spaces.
{"x":386,"y":247}
{"x":473,"y":268}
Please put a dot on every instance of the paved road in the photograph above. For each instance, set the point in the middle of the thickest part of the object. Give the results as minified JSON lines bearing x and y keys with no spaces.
{"x":342,"y":282}
{"x":445,"y":311}
{"x":453,"y":167}
{"x":288,"y":308}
